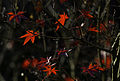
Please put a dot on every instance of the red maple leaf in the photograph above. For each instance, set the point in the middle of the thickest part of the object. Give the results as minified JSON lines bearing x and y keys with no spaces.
{"x":75,"y":43}
{"x":92,"y":68}
{"x":26,"y":63}
{"x":107,"y":64}
{"x":17,"y":16}
{"x":102,"y":28}
{"x":49,"y":70}
{"x":61,"y":51}
{"x":42,"y":63}
{"x":29,"y":36}
{"x":61,"y":20}
{"x":86,"y":14}
{"x":93,"y":29}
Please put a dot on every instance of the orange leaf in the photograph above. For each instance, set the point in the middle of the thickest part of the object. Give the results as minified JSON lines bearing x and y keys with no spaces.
{"x":90,"y":16}
{"x":90,"y":66}
{"x":21,"y":12}
{"x":12,"y":17}
{"x":49,"y":70}
{"x":93,"y":29}
{"x":43,"y":60}
{"x":11,"y":13}
{"x":33,"y":39}
{"x":16,"y":16}
{"x":54,"y":71}
{"x":86,"y":14}
{"x":29,"y":35}
{"x":26,"y":40}
{"x":61,"y":20}
{"x":26,"y":63}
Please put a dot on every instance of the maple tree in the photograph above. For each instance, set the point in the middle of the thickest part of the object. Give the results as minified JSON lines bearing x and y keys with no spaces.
{"x":71,"y":50}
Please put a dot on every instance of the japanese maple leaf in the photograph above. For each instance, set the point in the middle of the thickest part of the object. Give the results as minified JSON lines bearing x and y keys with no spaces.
{"x":93,"y":29}
{"x":107,"y":64}
{"x":102,"y":28}
{"x":95,"y":67}
{"x":86,"y":14}
{"x":43,"y":60}
{"x":61,"y":20}
{"x":26,"y":63}
{"x":63,"y":51}
{"x":49,"y":70}
{"x":88,"y":71}
{"x":17,"y":16}
{"x":92,"y":68}
{"x":29,"y":36}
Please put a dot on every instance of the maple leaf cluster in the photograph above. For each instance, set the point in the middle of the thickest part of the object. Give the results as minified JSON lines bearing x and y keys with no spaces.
{"x":30,"y":34}
{"x":106,"y":62}
{"x":94,"y":29}
{"x":42,"y":65}
{"x":92,"y":68}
